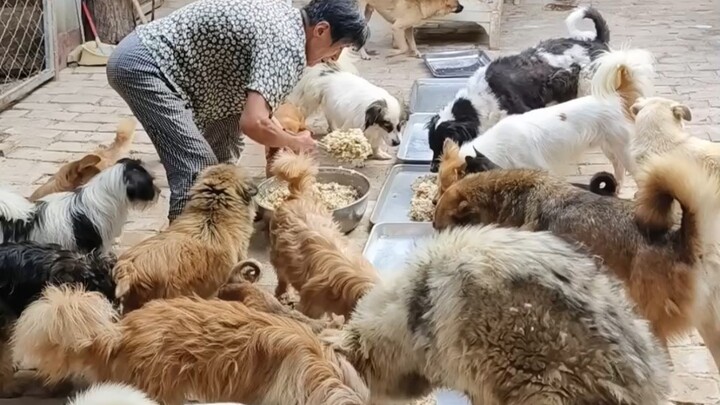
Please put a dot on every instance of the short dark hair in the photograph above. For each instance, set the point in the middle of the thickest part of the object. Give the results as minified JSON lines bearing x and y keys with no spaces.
{"x":347,"y":23}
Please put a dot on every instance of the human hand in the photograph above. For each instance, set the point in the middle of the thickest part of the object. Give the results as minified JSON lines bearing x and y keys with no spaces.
{"x":303,"y":141}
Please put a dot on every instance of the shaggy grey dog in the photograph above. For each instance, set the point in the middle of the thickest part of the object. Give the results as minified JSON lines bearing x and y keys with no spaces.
{"x":507,"y":317}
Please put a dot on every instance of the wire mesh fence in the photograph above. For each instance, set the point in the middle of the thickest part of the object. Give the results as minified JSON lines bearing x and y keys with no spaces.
{"x":26,"y":47}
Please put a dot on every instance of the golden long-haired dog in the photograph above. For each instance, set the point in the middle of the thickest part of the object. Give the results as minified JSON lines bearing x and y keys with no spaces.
{"x":240,"y":287}
{"x":292,"y":120}
{"x":661,"y":266}
{"x":308,"y":250}
{"x":213,"y":350}
{"x":507,"y":317}
{"x":78,"y":172}
{"x":196,"y":253}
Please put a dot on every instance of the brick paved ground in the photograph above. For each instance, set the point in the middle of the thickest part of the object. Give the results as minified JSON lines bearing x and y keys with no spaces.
{"x":72,"y":115}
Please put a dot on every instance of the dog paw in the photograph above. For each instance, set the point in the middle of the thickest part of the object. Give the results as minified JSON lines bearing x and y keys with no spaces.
{"x":416,"y":53}
{"x":381,"y":155}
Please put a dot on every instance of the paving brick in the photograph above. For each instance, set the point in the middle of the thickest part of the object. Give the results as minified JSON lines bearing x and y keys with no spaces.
{"x":53,"y":115}
{"x":75,"y":126}
{"x":76,"y":99}
{"x":98,"y":118}
{"x":72,"y":147}
{"x":12,"y":113}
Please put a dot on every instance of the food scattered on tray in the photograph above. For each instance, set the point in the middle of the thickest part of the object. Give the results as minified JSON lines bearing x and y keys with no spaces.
{"x":332,"y":195}
{"x":348,"y":146}
{"x":424,"y":189}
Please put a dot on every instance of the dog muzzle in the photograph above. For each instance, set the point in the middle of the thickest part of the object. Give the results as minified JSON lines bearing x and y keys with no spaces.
{"x":459,"y":8}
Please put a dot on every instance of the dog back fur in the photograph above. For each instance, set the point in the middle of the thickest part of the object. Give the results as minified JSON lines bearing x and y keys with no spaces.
{"x":478,"y":304}
{"x":216,"y":350}
{"x":196,"y":253}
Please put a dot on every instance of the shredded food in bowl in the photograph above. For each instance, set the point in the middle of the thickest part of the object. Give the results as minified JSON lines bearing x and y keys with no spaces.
{"x":421,"y":207}
{"x":332,"y":195}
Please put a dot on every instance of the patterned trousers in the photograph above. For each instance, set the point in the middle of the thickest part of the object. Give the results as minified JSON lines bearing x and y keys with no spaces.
{"x":168,"y":120}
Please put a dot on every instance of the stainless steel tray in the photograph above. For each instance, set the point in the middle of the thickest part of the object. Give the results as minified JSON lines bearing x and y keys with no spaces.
{"x":393,"y":203}
{"x":456,"y":63}
{"x":388,"y":247}
{"x":430,"y":95}
{"x":414,"y":147}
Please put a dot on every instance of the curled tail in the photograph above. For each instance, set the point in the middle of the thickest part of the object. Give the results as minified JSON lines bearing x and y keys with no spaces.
{"x":603,"y":183}
{"x":66,"y":332}
{"x":124,"y":136}
{"x":676,"y":177}
{"x":602,"y":31}
{"x":624,"y":73}
{"x":299,"y":171}
{"x":111,"y":394}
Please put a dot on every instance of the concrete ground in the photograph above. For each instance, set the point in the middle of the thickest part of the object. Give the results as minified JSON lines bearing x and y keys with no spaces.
{"x":72,"y":115}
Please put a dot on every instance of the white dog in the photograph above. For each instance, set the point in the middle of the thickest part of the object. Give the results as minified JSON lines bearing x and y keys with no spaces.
{"x":552,"y":137}
{"x":88,"y":218}
{"x":111,"y":394}
{"x":348,"y":101}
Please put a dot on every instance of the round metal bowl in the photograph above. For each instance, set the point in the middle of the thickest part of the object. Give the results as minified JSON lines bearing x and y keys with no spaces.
{"x":348,"y":217}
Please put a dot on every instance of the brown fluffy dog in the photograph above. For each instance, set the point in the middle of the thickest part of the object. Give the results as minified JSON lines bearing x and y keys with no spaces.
{"x":507,"y":317}
{"x":659,"y":265}
{"x":240,"y":288}
{"x":76,"y":173}
{"x":212,"y":350}
{"x":196,"y":253}
{"x":291,"y":120}
{"x":308,"y":250}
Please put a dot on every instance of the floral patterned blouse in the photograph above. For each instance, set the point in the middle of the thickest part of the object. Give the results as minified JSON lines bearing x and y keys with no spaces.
{"x":213,"y":51}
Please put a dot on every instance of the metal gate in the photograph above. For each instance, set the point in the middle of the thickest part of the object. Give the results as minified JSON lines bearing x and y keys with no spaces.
{"x":27,"y":39}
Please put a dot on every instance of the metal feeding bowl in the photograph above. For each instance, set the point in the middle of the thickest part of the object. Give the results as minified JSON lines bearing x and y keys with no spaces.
{"x":348,"y":217}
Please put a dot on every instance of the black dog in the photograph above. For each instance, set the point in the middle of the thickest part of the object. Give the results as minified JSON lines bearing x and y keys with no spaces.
{"x":517,"y":84}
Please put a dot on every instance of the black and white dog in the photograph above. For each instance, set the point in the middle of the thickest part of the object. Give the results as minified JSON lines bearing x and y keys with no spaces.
{"x":26,"y":268}
{"x":85,"y":219}
{"x":544,"y":74}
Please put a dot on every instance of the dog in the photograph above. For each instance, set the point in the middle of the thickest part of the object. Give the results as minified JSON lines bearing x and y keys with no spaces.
{"x":291,"y":119}
{"x":405,"y":15}
{"x":26,"y":268}
{"x":240,"y":287}
{"x":85,"y":219}
{"x":552,"y":137}
{"x":453,"y":167}
{"x":111,"y":394}
{"x":213,"y":350}
{"x":348,"y":101}
{"x":78,"y":172}
{"x":659,"y":264}
{"x":515,"y":84}
{"x":196,"y":253}
{"x":507,"y":317}
{"x":660,"y":128}
{"x":308,"y":250}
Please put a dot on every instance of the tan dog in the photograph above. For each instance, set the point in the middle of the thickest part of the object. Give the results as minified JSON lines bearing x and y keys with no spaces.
{"x":659,"y":127}
{"x":76,"y":173}
{"x":291,"y":119}
{"x":507,"y":317}
{"x":661,"y":266}
{"x":240,"y":288}
{"x":196,"y":253}
{"x":405,"y":15}
{"x":308,"y":250}
{"x":213,"y":350}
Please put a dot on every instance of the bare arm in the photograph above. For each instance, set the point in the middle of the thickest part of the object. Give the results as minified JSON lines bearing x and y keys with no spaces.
{"x":257,"y":124}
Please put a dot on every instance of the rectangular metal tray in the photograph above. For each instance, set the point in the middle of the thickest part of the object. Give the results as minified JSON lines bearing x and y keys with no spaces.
{"x":387,"y":248}
{"x":414,"y":147}
{"x":431,"y":95}
{"x":393,"y":203}
{"x":456,"y":63}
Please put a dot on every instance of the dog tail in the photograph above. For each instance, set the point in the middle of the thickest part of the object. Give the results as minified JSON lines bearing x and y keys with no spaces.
{"x":627,"y":73}
{"x":675,"y":176}
{"x":602,"y":31}
{"x":111,"y":394}
{"x":124,"y":136}
{"x":298,"y":170}
{"x":67,"y":332}
{"x":603,"y":183}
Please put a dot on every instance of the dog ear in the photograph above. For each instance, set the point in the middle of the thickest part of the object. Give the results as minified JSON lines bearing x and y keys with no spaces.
{"x":87,"y":161}
{"x":374,"y":113}
{"x":682,"y":112}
